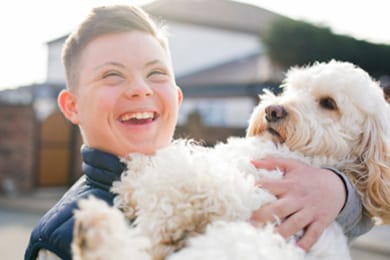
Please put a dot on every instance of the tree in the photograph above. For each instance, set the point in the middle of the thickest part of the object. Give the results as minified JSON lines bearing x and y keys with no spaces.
{"x":292,"y":42}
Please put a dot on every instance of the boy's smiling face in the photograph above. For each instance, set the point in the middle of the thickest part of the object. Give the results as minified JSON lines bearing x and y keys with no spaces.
{"x":126,"y":99}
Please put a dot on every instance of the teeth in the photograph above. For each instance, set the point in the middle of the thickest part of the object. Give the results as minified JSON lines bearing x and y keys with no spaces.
{"x":138,"y":116}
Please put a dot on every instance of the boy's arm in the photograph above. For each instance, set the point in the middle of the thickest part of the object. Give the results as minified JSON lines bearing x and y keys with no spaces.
{"x":352,"y":218}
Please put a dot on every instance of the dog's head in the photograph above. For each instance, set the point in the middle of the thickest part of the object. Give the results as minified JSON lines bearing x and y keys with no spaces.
{"x":333,"y":110}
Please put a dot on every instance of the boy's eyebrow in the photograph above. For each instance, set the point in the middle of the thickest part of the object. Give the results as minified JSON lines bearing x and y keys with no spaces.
{"x":113,"y":63}
{"x":153,"y":62}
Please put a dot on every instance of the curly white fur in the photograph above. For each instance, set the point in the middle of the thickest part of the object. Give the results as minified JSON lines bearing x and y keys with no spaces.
{"x":199,"y":199}
{"x":239,"y":240}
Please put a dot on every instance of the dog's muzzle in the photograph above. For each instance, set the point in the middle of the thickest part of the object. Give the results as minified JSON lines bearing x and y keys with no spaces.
{"x":274,"y":113}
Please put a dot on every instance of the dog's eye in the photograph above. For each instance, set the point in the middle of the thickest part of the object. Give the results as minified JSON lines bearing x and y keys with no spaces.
{"x":328,"y":103}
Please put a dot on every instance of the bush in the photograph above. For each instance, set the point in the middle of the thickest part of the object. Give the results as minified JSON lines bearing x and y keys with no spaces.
{"x":292,"y":42}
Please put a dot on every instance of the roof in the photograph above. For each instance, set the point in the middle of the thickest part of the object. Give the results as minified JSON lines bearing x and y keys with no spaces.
{"x":60,"y":39}
{"x":228,"y":90}
{"x":243,"y":70}
{"x":225,"y":14}
{"x":27,"y":94}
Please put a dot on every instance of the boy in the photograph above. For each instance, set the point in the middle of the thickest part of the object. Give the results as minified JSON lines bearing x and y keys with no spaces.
{"x":122,"y":93}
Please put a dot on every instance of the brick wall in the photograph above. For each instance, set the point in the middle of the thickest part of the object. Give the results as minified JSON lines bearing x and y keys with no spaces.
{"x":17,"y":148}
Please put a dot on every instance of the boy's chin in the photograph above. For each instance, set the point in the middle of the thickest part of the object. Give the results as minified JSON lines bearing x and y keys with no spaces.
{"x":144,"y":149}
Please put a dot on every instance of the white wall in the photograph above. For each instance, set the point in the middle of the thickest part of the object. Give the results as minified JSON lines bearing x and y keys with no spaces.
{"x":197,"y":47}
{"x":55,"y":70}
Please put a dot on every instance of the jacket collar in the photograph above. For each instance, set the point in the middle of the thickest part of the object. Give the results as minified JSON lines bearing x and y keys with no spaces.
{"x":101,"y":168}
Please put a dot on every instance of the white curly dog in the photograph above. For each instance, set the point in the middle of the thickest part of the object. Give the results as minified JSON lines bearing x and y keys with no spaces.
{"x":191,"y":202}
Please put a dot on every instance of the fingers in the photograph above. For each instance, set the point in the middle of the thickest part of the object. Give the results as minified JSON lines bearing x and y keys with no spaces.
{"x":275,"y":186}
{"x":273,"y":212}
{"x":271,"y":163}
{"x":311,"y":235}
{"x":293,"y":224}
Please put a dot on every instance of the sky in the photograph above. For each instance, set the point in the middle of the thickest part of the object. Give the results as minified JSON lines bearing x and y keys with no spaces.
{"x":26,"y":26}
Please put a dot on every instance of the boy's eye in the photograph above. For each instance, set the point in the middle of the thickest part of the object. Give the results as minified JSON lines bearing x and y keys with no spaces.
{"x":157,"y":75}
{"x":112,"y":78}
{"x":111,"y":74}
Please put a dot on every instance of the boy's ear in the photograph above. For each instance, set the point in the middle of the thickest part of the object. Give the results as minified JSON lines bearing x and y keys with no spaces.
{"x":67,"y":103}
{"x":179,"y":95}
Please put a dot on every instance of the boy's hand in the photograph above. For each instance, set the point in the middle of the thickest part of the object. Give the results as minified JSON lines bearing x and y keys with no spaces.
{"x":308,"y":198}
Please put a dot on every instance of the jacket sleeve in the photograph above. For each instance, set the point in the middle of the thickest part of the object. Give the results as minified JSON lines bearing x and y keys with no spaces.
{"x":352,"y":218}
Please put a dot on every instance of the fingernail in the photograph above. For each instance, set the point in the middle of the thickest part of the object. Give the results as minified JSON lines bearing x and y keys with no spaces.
{"x":255,"y":223}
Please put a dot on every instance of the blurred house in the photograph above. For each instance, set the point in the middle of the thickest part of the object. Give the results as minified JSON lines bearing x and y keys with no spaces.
{"x":220,"y":64}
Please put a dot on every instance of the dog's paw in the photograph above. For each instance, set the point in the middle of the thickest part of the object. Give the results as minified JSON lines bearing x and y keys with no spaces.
{"x":102,"y":232}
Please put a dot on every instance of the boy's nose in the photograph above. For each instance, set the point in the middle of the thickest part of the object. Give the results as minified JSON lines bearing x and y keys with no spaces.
{"x":139,"y":89}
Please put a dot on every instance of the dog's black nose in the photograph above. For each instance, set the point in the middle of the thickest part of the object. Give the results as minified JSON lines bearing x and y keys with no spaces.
{"x":274,"y":113}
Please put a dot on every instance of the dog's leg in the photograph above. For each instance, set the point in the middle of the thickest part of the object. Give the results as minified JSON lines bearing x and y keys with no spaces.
{"x":102,"y":232}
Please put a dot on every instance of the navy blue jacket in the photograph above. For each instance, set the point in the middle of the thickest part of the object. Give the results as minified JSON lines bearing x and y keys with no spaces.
{"x":54,"y":231}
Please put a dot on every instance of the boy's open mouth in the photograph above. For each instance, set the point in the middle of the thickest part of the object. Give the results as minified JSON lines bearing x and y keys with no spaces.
{"x":138,"y":118}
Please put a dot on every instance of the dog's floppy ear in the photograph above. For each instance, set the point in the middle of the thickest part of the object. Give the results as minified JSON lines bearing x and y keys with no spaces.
{"x":373,"y":181}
